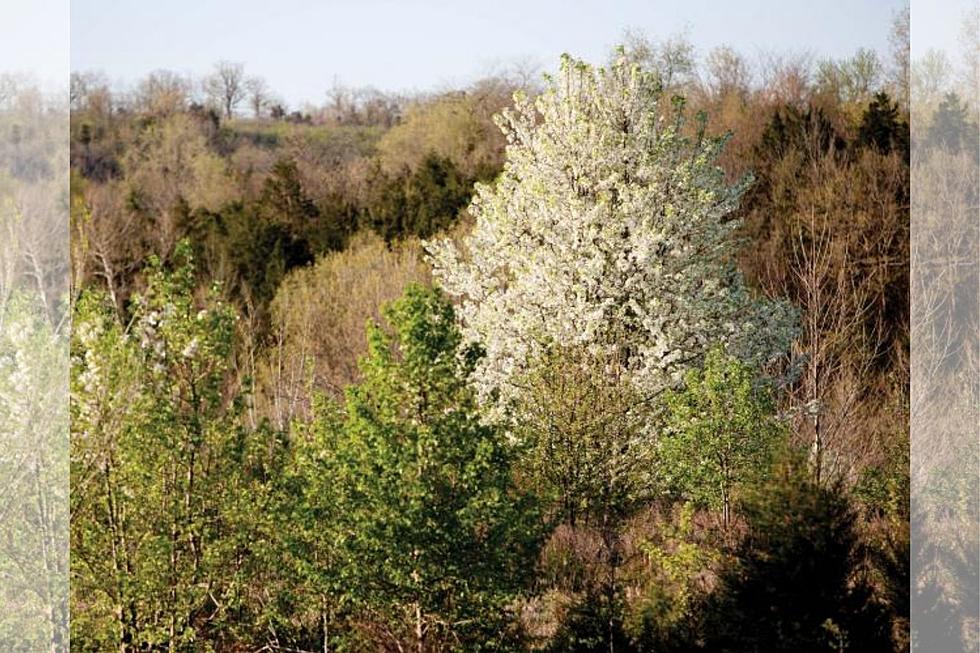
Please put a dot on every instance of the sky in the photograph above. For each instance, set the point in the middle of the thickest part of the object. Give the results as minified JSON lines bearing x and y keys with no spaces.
{"x":34,"y":40}
{"x":302,"y":46}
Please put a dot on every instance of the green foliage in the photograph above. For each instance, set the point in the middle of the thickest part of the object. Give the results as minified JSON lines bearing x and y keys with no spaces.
{"x":253,"y":253}
{"x":150,"y":424}
{"x":666,"y":612}
{"x":951,"y":128}
{"x":793,"y":586}
{"x":586,"y":629}
{"x":720,"y":433}
{"x":808,"y":131}
{"x":284,"y":202}
{"x":255,"y":244}
{"x":882,"y":128}
{"x":588,"y":449}
{"x":33,"y":478}
{"x":417,"y":202}
{"x":429,"y":537}
{"x":400,"y":519}
{"x":456,"y":127}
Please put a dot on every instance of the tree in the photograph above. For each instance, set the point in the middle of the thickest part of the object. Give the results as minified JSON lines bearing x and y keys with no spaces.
{"x":899,"y":38}
{"x":793,"y":586}
{"x":728,"y":72}
{"x":590,"y":458}
{"x":277,"y":111}
{"x":850,"y":81}
{"x":882,"y":128}
{"x":259,"y":96}
{"x":284,"y":200}
{"x":226,"y":86}
{"x":672,"y":60}
{"x":720,"y":433}
{"x":318,"y":318}
{"x":951,"y":128}
{"x":163,"y":93}
{"x":609,"y":230}
{"x":420,"y":202}
{"x":170,"y":169}
{"x":429,"y":530}
{"x":455,"y":126}
{"x":149,"y":424}
{"x":33,"y":477}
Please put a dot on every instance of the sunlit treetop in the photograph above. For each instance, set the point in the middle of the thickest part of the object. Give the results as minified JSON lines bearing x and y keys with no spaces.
{"x":609,"y":227}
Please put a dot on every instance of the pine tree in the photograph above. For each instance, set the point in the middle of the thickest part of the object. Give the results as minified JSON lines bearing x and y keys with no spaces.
{"x":882,"y":128}
{"x":794,"y":585}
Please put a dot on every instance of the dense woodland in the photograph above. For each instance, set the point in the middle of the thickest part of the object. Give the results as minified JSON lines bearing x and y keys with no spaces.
{"x":616,"y":359}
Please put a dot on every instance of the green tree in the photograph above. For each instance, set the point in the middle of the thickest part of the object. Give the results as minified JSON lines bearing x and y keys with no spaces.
{"x":720,"y":432}
{"x":417,"y":202}
{"x":795,"y":584}
{"x":590,"y":455}
{"x":882,"y":128}
{"x":150,"y":423}
{"x":430,"y":536}
{"x":951,"y":128}
{"x":248,"y":252}
{"x":33,"y":477}
{"x":284,"y":202}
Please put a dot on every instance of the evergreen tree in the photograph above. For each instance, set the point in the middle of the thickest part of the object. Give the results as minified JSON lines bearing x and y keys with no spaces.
{"x":793,"y":586}
{"x":417,"y":202}
{"x":881,"y":127}
{"x":951,"y":129}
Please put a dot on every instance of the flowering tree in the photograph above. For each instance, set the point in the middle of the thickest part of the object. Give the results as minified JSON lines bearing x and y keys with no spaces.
{"x":33,"y":476}
{"x":151,"y":429}
{"x":608,"y":229}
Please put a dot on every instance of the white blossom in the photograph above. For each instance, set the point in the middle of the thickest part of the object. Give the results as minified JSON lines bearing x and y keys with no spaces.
{"x":609,"y":229}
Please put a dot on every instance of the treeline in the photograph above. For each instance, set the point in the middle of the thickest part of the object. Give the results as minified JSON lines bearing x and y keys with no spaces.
{"x":261,"y":197}
{"x":663,"y":407}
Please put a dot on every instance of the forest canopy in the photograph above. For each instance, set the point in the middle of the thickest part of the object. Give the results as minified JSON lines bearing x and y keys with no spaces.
{"x":617,"y":360}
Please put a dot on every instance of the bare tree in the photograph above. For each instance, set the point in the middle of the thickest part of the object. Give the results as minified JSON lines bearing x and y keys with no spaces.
{"x":259,"y":96}
{"x":900,"y":51}
{"x":10,"y":86}
{"x":727,"y":71}
{"x":163,"y":92}
{"x":785,"y":77}
{"x":673,"y":59}
{"x":838,"y":351}
{"x":226,"y":86}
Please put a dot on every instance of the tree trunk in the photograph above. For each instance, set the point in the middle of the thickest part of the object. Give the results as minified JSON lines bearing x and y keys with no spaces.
{"x":817,"y":452}
{"x":612,"y":556}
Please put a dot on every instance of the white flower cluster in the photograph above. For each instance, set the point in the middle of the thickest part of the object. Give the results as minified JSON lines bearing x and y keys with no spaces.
{"x":607,"y":229}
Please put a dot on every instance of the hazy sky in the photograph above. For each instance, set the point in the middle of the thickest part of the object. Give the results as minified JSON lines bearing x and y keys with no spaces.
{"x":34,"y":39}
{"x":301,"y":46}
